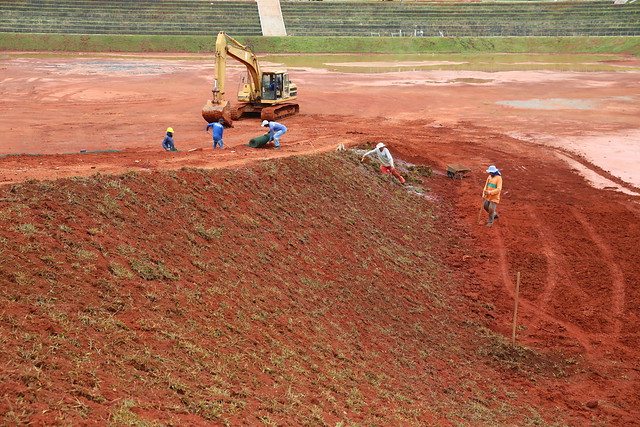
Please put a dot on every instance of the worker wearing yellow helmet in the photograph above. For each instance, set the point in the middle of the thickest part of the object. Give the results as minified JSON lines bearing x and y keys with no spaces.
{"x":167,"y":142}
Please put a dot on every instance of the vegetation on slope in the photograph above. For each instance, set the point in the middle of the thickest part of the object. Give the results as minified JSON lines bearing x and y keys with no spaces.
{"x":307,"y":290}
{"x":204,"y":44}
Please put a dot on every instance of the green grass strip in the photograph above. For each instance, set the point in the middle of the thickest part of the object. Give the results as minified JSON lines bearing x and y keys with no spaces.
{"x":203,"y":44}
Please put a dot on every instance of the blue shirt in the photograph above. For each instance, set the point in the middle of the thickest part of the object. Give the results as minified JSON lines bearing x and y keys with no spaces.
{"x":167,"y":142}
{"x":218,"y":129}
{"x":276,"y":127}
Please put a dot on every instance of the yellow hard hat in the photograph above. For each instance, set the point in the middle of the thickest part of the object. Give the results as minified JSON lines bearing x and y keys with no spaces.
{"x":170,"y":130}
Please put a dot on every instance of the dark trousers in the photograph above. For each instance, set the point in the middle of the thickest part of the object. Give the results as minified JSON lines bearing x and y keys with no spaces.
{"x":491,"y":208}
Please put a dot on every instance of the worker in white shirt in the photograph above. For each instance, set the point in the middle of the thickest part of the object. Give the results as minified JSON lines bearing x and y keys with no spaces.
{"x":385,"y":158}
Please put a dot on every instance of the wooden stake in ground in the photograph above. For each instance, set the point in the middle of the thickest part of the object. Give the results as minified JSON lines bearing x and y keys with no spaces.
{"x":515,"y":311}
{"x":480,"y":213}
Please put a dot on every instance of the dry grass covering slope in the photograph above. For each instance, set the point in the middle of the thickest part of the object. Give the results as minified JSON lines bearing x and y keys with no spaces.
{"x":304,"y":291}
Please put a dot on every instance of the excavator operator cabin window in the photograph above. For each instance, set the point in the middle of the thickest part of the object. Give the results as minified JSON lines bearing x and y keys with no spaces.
{"x":278,"y":86}
{"x":268,"y":87}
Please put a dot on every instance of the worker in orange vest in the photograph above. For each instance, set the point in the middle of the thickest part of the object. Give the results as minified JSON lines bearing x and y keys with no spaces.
{"x":491,"y":193}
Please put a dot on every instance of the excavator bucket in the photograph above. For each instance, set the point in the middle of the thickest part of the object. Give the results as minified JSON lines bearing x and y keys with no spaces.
{"x":213,"y":112}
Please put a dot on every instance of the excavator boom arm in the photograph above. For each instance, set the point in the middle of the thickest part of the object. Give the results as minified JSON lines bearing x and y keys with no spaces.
{"x":228,"y":46}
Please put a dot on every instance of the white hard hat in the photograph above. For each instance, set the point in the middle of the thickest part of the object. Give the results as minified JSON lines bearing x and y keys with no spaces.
{"x":265,"y":122}
{"x":380,"y":145}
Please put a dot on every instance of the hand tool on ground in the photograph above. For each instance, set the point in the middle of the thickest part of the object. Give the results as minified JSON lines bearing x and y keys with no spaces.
{"x":480,"y":212}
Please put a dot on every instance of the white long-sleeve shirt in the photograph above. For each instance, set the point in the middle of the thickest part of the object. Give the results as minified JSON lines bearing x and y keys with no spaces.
{"x":384,"y":156}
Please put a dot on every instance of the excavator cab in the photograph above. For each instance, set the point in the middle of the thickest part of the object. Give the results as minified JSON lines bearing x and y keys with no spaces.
{"x":275,"y":86}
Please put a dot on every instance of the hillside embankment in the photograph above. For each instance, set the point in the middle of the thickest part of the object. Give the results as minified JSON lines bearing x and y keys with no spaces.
{"x":309,"y":290}
{"x":305,"y":290}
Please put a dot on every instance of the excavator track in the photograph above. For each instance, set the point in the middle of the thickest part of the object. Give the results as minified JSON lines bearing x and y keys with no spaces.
{"x":237,"y":111}
{"x":277,"y":112}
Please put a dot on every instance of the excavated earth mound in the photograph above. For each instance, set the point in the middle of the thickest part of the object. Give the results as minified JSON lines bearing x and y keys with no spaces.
{"x":234,"y":296}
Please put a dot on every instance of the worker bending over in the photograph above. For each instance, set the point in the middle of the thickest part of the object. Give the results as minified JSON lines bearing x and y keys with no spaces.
{"x":385,"y":158}
{"x":491,"y":193}
{"x":276,"y":130}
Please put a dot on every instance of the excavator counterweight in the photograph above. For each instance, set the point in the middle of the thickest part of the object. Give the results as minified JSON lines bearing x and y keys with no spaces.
{"x":269,"y":93}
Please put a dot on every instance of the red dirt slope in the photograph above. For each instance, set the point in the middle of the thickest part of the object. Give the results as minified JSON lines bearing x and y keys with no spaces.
{"x":234,"y":297}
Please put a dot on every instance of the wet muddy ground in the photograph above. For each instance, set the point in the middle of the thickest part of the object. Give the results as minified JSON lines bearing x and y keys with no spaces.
{"x":68,"y":103}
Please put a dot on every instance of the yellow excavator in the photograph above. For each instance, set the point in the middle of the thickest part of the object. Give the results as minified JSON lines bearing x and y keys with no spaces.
{"x":268,"y":92}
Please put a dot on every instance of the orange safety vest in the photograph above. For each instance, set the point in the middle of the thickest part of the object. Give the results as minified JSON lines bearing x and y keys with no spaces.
{"x":492,"y":188}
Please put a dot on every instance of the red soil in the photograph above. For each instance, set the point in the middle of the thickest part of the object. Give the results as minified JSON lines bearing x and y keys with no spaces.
{"x":576,"y":246}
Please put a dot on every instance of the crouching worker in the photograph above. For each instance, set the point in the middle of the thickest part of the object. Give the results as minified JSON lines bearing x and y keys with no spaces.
{"x":276,"y":130}
{"x":385,"y":158}
{"x":167,"y":142}
{"x":491,"y":193}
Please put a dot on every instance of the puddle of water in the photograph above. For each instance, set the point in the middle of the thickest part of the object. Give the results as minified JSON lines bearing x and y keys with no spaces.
{"x":551,"y":104}
{"x":112,"y":67}
{"x":369,"y":63}
{"x":562,"y":103}
{"x":469,"y":80}
{"x":379,"y":63}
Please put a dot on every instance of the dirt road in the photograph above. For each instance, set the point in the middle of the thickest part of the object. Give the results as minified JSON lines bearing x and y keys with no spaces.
{"x":566,"y":143}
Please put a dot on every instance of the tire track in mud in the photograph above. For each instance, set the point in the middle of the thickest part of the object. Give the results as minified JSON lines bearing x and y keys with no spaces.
{"x":538,"y":312}
{"x":558,"y":267}
{"x":567,"y":298}
{"x":617,"y":276}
